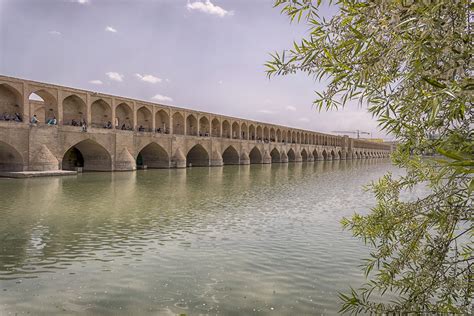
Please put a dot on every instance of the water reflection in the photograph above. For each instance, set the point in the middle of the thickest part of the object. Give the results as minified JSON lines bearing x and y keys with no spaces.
{"x":236,"y":239}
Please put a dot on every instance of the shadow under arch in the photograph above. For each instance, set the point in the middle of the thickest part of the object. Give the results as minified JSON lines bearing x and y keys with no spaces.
{"x":255,"y":156}
{"x":89,"y":155}
{"x":304,"y":155}
{"x":275,"y":154}
{"x":153,"y":156}
{"x":291,"y":155}
{"x":230,"y":156}
{"x":325,"y":155}
{"x":10,"y":158}
{"x":197,"y":156}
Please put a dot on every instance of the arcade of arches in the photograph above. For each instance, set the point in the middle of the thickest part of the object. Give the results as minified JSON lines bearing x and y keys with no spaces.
{"x":140,"y":134}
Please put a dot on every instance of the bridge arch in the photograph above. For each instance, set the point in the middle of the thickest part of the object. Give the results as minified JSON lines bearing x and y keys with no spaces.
{"x":89,"y":155}
{"x":278,"y":135}
{"x":255,"y":156}
{"x":123,"y":117}
{"x":204,"y":128}
{"x":43,"y":104}
{"x":191,"y":125}
{"x":316,"y":154}
{"x":162,"y":121}
{"x":332,"y":155}
{"x":236,"y":130}
{"x":197,"y":156}
{"x":226,"y":129}
{"x":230,"y":156}
{"x":101,"y":113}
{"x":325,"y":154}
{"x":74,"y":109}
{"x":216,"y":128}
{"x":144,"y":119}
{"x":244,"y":131}
{"x":259,"y":133}
{"x":10,"y":158}
{"x":275,"y":154}
{"x":11,"y":100}
{"x":291,"y":155}
{"x":304,"y":155}
{"x":266,"y":133}
{"x":178,"y":123}
{"x":252,"y":134}
{"x":153,"y":156}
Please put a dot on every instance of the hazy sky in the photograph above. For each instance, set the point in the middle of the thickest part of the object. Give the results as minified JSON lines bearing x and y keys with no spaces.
{"x":203,"y":55}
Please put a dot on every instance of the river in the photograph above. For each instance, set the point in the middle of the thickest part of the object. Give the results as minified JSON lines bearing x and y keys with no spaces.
{"x":263,"y":239}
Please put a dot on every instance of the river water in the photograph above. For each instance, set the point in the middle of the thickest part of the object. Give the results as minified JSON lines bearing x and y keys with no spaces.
{"x":259,"y":239}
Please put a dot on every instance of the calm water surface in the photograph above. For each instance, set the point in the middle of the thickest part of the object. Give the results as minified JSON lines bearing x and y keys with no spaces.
{"x":260,"y":239}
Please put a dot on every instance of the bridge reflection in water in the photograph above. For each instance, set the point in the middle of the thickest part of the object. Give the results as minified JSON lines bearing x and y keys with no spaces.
{"x":196,"y":240}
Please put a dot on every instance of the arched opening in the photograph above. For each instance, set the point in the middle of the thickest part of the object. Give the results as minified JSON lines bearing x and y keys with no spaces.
{"x":275,"y":155}
{"x":304,"y":155}
{"x":325,"y":155}
{"x":288,"y":137}
{"x":259,"y":133}
{"x":44,"y":106}
{"x":10,"y":158}
{"x":74,"y":110}
{"x":298,"y":138}
{"x":293,"y":137}
{"x":162,"y":122}
{"x":235,"y":130}
{"x":315,"y":154}
{"x":89,"y":155}
{"x":244,"y":132}
{"x":144,"y":120}
{"x":178,"y":124}
{"x":226,"y":129}
{"x":11,"y":108}
{"x":197,"y":157}
{"x":333,"y":155}
{"x":266,"y":134}
{"x":153,"y":156}
{"x":123,"y":117}
{"x":255,"y":156}
{"x":101,"y":114}
{"x":191,"y":125}
{"x":278,"y":136}
{"x":216,"y":128}
{"x":272,"y":135}
{"x":203,"y":126}
{"x":252,"y":135}
{"x":339,"y":154}
{"x":230,"y":156}
{"x":291,"y":155}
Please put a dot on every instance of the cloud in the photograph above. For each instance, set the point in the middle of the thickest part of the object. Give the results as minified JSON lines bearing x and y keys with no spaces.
{"x":110,"y":29}
{"x":148,"y":78}
{"x":220,"y":82}
{"x":56,"y":33}
{"x":303,"y":119}
{"x":209,"y":8}
{"x":167,"y":80}
{"x":115,"y":76}
{"x":265,"y":111}
{"x":161,"y":98}
{"x":290,"y":108}
{"x":96,"y":82}
{"x":81,"y":1}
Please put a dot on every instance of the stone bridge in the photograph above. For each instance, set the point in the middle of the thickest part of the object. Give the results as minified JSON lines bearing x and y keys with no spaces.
{"x":123,"y":134}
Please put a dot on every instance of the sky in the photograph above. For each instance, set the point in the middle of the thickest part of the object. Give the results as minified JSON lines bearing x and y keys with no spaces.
{"x":205,"y":55}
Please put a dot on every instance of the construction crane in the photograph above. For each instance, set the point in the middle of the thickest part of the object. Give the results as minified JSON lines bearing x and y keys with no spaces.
{"x":357,"y":132}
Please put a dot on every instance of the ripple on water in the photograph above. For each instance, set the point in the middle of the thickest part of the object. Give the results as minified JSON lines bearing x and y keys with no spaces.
{"x":232,"y":240}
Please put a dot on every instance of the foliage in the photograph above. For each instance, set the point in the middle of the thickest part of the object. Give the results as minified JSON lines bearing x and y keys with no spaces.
{"x":410,"y":62}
